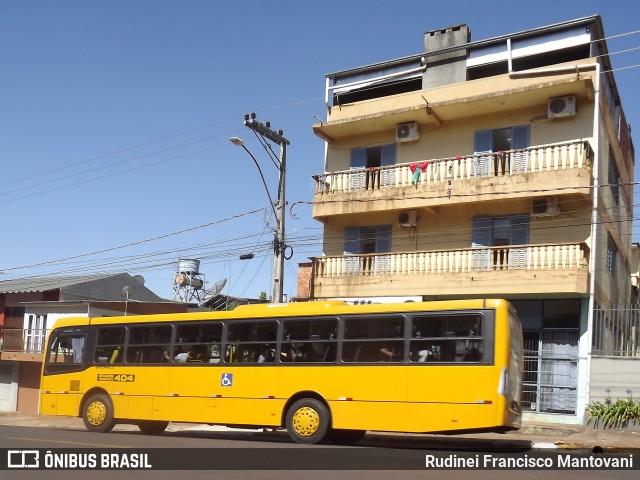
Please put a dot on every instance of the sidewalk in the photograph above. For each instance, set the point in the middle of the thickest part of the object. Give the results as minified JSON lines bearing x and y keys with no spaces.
{"x":531,"y":435}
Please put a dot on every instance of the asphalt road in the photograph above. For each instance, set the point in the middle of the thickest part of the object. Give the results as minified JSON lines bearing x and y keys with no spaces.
{"x":265,"y":456}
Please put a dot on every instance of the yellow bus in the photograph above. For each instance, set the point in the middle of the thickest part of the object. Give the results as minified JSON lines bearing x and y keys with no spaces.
{"x":325,"y":371}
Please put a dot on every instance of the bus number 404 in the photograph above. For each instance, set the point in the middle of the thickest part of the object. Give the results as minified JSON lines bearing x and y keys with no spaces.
{"x":124,"y":378}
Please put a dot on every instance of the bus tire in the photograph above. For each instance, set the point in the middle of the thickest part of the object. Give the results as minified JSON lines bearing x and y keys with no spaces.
{"x":346,"y":437}
{"x":308,"y":421}
{"x":97,"y":413}
{"x":152,"y":427}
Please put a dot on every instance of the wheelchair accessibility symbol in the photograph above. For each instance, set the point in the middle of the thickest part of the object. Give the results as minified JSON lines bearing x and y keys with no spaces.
{"x":226,"y":380}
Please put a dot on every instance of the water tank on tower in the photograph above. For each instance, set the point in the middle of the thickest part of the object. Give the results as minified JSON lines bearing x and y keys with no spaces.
{"x":185,"y":280}
{"x":188,"y":283}
{"x":189,"y":266}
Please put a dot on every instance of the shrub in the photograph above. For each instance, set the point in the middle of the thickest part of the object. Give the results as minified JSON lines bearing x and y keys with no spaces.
{"x":614,"y":414}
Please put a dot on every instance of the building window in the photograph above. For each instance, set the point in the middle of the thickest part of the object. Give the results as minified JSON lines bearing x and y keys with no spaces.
{"x":367,"y":162}
{"x":367,"y":243}
{"x":492,"y":238}
{"x":614,"y":177}
{"x":35,"y":333}
{"x":612,"y":254}
{"x":367,"y":240}
{"x":371,"y":157}
{"x":509,"y":139}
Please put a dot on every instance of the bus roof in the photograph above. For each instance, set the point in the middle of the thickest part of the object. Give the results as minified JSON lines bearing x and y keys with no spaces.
{"x":316,"y":308}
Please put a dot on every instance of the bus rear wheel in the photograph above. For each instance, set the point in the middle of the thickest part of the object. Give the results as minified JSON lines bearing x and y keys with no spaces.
{"x":97,"y":413}
{"x":308,"y":421}
{"x":152,"y":427}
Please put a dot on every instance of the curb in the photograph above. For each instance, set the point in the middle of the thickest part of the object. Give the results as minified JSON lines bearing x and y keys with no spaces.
{"x":543,"y":446}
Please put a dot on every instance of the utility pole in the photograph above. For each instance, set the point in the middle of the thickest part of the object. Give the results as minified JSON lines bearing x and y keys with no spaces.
{"x":279,"y":246}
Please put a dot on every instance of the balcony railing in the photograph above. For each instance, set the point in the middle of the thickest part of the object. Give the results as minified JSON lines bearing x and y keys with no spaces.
{"x":541,"y":158}
{"x":24,"y":340}
{"x":476,"y":259}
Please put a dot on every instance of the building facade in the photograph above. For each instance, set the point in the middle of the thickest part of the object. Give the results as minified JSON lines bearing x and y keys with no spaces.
{"x":493,"y":168}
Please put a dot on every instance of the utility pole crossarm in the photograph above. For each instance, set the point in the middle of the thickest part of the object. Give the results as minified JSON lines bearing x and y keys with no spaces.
{"x":265,"y":130}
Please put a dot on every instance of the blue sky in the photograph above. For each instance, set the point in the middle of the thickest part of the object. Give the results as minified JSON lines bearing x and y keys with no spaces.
{"x":115,"y":118}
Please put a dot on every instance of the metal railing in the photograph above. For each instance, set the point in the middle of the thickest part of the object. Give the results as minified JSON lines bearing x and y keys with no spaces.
{"x":541,"y":158}
{"x":563,"y":256}
{"x":23,"y":340}
{"x":616,"y":331}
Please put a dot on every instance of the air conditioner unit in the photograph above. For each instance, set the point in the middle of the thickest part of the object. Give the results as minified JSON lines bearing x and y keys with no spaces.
{"x":561,"y":106}
{"x":407,"y":132}
{"x":544,"y":207}
{"x":408,"y":219}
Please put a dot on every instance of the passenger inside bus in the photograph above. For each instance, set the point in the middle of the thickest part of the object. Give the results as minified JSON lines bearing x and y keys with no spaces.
{"x":182,"y":357}
{"x":166,"y":356}
{"x":390,"y":354}
{"x":473,"y":355}
{"x":267,"y":355}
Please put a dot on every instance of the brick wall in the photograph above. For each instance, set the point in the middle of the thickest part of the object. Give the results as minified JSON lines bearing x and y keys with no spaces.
{"x":304,"y":280}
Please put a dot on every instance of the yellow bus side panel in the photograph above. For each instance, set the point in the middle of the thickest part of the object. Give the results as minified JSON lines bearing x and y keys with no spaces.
{"x":410,"y":417}
{"x":48,"y":404}
{"x":412,"y":398}
{"x":59,"y":404}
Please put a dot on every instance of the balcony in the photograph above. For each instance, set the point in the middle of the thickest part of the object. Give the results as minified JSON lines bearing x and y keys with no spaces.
{"x":560,"y":168}
{"x":478,"y":271}
{"x":494,"y":95}
{"x":22,"y":344}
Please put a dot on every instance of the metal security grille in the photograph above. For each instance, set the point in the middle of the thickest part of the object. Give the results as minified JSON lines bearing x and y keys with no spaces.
{"x":616,"y":331}
{"x":550,"y":371}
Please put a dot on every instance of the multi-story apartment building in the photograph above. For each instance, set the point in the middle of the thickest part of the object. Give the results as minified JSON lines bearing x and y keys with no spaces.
{"x":493,"y":168}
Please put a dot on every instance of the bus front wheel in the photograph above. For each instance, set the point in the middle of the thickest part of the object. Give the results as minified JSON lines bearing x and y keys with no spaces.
{"x":152,"y":427}
{"x":308,"y":421}
{"x":97,"y":413}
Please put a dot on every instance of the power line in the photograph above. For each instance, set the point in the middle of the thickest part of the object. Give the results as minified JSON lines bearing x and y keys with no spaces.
{"x":139,"y":242}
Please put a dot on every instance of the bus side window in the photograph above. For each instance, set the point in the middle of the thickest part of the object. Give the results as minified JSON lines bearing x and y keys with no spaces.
{"x":447,"y":338}
{"x":351,"y":351}
{"x":214,"y":353}
{"x":329,"y":353}
{"x":473,"y":355}
{"x":109,"y":345}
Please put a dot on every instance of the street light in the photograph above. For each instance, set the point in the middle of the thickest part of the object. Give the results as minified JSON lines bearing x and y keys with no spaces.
{"x":238,"y":141}
{"x":279,"y":245}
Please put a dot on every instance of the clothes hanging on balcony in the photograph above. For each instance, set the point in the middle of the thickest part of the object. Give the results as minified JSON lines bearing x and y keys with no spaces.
{"x":372,"y":179}
{"x":416,"y":173}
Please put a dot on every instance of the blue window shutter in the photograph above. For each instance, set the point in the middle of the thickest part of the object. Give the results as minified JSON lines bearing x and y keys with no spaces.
{"x":482,"y":143}
{"x":481,"y":237}
{"x":388,"y":154}
{"x":352,"y":246}
{"x":520,"y":229}
{"x":358,"y":157}
{"x":383,"y":245}
{"x":519,"y":236}
{"x":383,"y":238}
{"x":358,"y":162}
{"x":388,"y":157}
{"x":520,"y":138}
